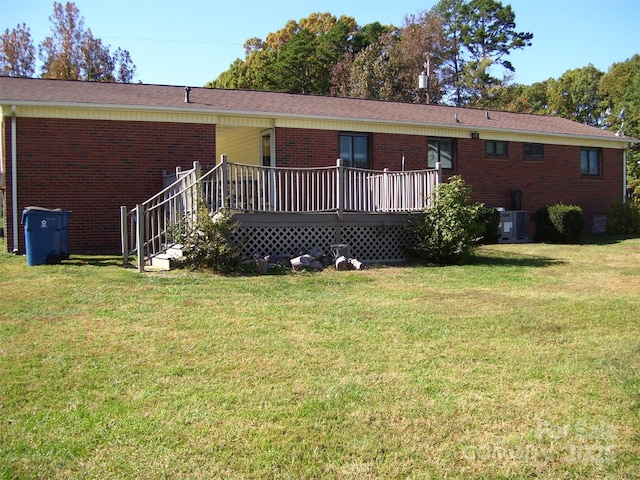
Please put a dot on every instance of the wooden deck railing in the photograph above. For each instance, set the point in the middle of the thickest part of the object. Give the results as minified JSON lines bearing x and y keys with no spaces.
{"x":250,"y":188}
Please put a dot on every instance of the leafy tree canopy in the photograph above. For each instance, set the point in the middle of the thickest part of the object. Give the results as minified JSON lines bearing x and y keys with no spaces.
{"x":307,"y":56}
{"x":17,"y":54}
{"x":71,"y":52}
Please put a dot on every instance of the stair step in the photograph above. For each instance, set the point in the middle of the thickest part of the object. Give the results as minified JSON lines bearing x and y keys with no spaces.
{"x":167,"y":260}
{"x":163,"y":262}
{"x":174,"y":252}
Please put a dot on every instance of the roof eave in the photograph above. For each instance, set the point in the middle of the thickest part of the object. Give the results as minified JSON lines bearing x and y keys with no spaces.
{"x":246,"y":113}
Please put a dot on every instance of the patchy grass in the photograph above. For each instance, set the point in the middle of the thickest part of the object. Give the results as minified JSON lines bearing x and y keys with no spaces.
{"x":524,"y":364}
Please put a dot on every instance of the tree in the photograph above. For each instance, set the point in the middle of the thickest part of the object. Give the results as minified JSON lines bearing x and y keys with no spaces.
{"x":489,"y":32}
{"x":452,"y":62}
{"x":362,"y":41}
{"x":125,"y":70}
{"x":95,"y":61}
{"x":575,"y":95}
{"x":370,"y":73}
{"x":313,"y":55}
{"x":73,"y":53}
{"x":620,"y":89}
{"x":61,"y":52}
{"x":479,"y":34}
{"x":17,"y":54}
{"x":421,"y":44}
{"x":295,"y":68}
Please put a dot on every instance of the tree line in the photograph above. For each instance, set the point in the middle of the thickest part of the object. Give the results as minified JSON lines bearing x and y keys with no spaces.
{"x":459,"y":48}
{"x":71,"y":52}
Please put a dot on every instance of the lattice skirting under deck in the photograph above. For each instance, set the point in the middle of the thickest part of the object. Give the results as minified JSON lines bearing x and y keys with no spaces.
{"x":369,"y":242}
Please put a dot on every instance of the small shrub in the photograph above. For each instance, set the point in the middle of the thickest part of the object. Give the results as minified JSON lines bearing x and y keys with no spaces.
{"x":489,"y":219}
{"x":624,"y":218}
{"x":208,"y":243}
{"x":633,"y":191}
{"x":447,"y":232}
{"x":559,"y":224}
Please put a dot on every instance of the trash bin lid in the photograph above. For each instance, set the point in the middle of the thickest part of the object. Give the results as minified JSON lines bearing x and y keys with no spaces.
{"x":43,"y":209}
{"x":57,"y":211}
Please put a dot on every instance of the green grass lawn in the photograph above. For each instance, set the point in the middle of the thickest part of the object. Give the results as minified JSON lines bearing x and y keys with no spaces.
{"x":524,"y":364}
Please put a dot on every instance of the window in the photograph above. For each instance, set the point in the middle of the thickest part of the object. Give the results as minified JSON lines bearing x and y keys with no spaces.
{"x":495,"y":147}
{"x":354,"y":150}
{"x":533,"y":150}
{"x":590,"y":161}
{"x":266,"y":148}
{"x":440,"y":150}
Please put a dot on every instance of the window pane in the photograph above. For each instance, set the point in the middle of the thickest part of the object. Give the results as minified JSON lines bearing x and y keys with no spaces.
{"x":495,"y":147}
{"x":590,"y":162}
{"x":491,"y":147}
{"x":354,"y":150}
{"x":433,"y":153}
{"x":266,"y":150}
{"x":345,"y":149}
{"x":584,"y":161}
{"x":360,"y":156}
{"x":594,"y":164}
{"x":440,"y":151}
{"x":533,"y":150}
{"x":446,"y":153}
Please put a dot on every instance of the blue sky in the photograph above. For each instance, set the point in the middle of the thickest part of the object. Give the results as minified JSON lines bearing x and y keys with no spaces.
{"x":190,"y":42}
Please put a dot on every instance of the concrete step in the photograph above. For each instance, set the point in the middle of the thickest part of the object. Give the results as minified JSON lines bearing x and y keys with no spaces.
{"x":168,"y":259}
{"x":174,"y":251}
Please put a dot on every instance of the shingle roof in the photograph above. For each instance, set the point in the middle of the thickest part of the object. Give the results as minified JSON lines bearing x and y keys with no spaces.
{"x":247,"y":102}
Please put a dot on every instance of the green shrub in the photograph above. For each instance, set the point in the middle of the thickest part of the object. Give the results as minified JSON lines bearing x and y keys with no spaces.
{"x":633,"y":191}
{"x":208,"y":243}
{"x":489,"y":219}
{"x":447,"y":232}
{"x":624,"y":218}
{"x":559,"y":224}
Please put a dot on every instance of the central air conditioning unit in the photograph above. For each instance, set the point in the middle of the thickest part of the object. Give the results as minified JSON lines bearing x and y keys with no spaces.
{"x":513,"y":226}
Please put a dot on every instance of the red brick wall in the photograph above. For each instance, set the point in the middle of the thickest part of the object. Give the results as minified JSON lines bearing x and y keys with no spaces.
{"x":298,"y":147}
{"x":387,"y":151}
{"x":303,"y":148}
{"x":93,"y":167}
{"x":553,"y":179}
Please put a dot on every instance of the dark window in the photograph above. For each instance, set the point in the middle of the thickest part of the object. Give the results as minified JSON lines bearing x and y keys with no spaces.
{"x":440,"y":150}
{"x":590,"y":161}
{"x":496,"y":147}
{"x":533,"y":150}
{"x":354,"y":150}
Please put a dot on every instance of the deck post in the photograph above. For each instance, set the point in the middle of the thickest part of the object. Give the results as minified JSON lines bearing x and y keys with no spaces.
{"x":140,"y":221}
{"x":439,"y":169}
{"x":225,"y":182}
{"x":387,"y":200}
{"x":195,"y":191}
{"x":340,"y":187}
{"x":124,"y":235}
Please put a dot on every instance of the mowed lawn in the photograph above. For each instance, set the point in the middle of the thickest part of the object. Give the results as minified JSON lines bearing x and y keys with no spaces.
{"x":524,"y":364}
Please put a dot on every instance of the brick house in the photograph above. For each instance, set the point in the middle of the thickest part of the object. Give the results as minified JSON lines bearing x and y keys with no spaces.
{"x":92,"y":147}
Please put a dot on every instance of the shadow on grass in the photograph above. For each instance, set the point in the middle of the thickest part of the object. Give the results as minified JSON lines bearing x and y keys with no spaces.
{"x":94,"y":261}
{"x":499,"y":259}
{"x":602,"y":239}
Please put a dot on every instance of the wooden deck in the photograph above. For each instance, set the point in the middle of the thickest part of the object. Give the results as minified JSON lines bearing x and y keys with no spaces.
{"x":287,"y":209}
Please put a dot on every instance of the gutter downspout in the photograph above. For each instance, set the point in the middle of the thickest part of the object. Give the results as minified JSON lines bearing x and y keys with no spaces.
{"x":14,"y":178}
{"x":624,"y":176}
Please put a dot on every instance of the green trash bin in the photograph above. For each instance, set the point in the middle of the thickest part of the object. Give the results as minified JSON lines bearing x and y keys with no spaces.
{"x":45,"y":234}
